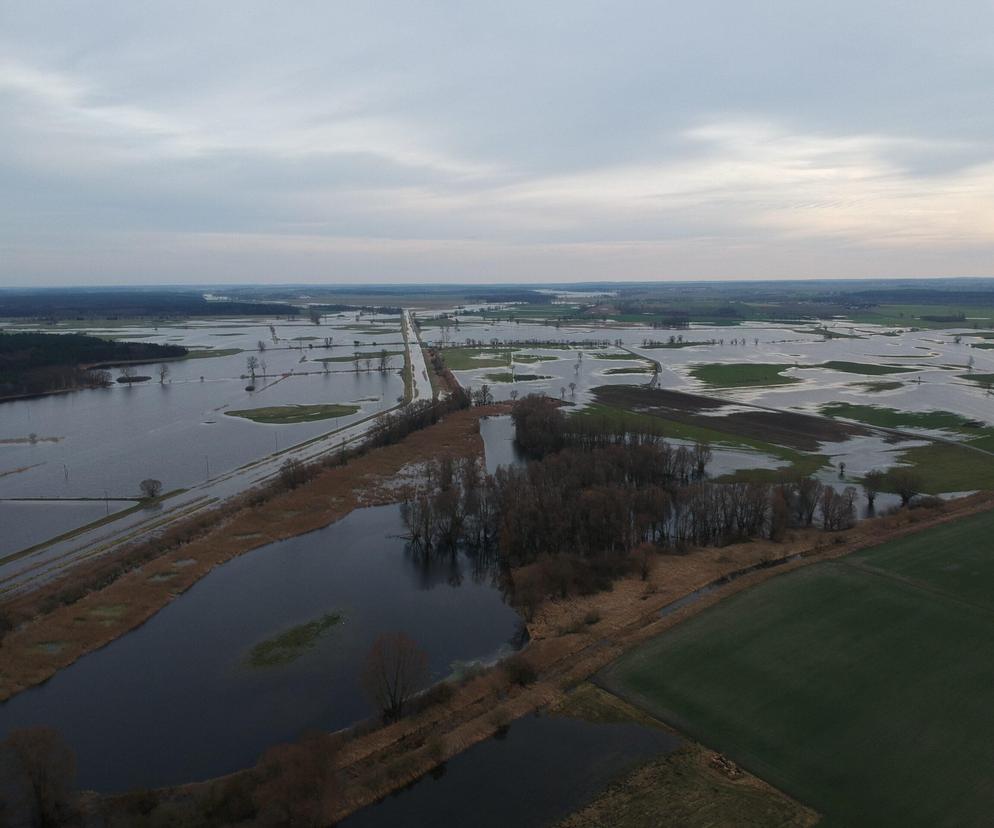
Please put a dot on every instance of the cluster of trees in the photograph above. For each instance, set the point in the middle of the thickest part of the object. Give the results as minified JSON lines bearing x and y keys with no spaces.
{"x":35,"y":363}
{"x":593,"y":494}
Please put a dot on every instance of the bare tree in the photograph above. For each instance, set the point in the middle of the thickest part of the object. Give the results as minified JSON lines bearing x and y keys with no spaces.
{"x":163,"y":373}
{"x":396,"y":670}
{"x":150,"y":488}
{"x":42,"y":772}
{"x":260,"y":345}
{"x":572,"y":389}
{"x":906,"y":483}
{"x":298,"y":783}
{"x":384,"y":361}
{"x":873,"y":481}
{"x":252,"y":363}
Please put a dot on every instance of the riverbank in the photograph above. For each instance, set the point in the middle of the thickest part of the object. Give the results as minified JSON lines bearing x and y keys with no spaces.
{"x":571,"y":641}
{"x":46,"y":643}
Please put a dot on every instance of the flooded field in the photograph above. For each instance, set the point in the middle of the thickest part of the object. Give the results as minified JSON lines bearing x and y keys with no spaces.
{"x":190,"y":685}
{"x":934,"y":358}
{"x":101,"y":443}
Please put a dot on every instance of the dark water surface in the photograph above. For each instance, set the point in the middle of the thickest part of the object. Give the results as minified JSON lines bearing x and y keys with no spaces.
{"x":543,"y":769}
{"x":175,"y":700}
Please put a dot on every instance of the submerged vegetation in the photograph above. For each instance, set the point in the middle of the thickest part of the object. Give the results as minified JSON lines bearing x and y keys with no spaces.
{"x":288,"y":646}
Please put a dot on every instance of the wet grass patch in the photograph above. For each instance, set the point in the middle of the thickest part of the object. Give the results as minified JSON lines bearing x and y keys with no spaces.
{"x":742,"y":374}
{"x":291,"y":644}
{"x":867,"y":368}
{"x":289,"y":414}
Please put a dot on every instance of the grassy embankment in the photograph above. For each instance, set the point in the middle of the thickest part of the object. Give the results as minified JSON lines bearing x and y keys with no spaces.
{"x":859,"y":686}
{"x":289,"y":414}
{"x":680,"y":790}
{"x":208,"y":353}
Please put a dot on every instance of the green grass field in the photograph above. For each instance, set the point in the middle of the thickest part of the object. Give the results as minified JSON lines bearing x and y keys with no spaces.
{"x":288,"y":414}
{"x":741,"y":374}
{"x":861,"y":687}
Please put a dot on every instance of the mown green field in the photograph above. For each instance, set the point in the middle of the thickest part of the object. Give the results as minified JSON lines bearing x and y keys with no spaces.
{"x":861,"y":687}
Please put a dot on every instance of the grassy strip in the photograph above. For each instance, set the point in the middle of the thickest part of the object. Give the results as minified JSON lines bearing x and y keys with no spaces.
{"x":506,"y":376}
{"x":527,"y":359}
{"x":96,"y":524}
{"x":289,"y":414}
{"x":629,"y":370}
{"x":290,"y":645}
{"x":741,"y":374}
{"x":876,"y":386}
{"x":208,"y":353}
{"x":867,"y":368}
{"x":360,"y":355}
{"x":981,"y":379}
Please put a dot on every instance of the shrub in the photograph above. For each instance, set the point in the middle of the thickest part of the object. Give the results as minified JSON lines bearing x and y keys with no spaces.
{"x":519,"y":670}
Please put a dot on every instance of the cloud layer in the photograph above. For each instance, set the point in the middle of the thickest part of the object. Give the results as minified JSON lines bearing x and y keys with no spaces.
{"x":245,"y":141}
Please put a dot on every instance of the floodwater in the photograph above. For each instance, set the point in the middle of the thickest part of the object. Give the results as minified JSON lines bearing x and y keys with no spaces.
{"x":498,"y":443}
{"x":539,"y":772}
{"x":27,"y":522}
{"x":99,"y":443}
{"x":934,"y":357}
{"x":176,"y":699}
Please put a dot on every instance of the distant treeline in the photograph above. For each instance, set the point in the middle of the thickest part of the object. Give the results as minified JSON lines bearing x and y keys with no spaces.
{"x":120,"y":304}
{"x":36,"y":363}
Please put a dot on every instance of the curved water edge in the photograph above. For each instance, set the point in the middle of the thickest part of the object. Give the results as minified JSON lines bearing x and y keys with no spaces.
{"x":532,"y":774}
{"x":178,"y":700}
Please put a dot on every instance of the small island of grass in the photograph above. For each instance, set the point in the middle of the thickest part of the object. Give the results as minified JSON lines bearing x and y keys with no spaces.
{"x":741,"y":374}
{"x":289,"y":414}
{"x":290,"y":645}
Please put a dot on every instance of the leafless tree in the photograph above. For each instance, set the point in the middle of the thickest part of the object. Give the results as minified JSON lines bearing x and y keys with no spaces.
{"x":252,"y":363}
{"x":150,"y":488}
{"x":42,"y":775}
{"x":396,"y":670}
{"x":163,"y":373}
{"x":873,"y":481}
{"x":298,"y":783}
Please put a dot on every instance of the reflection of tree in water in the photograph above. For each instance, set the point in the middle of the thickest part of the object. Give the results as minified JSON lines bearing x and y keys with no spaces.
{"x":452,"y":563}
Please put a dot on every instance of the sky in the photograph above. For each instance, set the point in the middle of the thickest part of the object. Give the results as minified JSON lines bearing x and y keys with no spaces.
{"x":232,"y":141}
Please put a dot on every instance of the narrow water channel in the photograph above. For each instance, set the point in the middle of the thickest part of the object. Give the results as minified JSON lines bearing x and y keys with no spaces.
{"x":541,"y":770}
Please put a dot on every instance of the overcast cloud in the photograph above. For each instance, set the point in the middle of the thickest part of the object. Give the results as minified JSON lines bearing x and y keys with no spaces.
{"x":153,"y":142}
